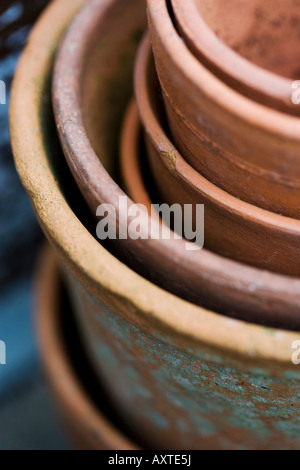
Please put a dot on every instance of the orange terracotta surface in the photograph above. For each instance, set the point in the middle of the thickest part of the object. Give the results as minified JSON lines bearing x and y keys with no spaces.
{"x":226,"y":218}
{"x":131,"y":165}
{"x":232,"y":228}
{"x":252,"y":46}
{"x":247,"y":149}
{"x":91,"y":153}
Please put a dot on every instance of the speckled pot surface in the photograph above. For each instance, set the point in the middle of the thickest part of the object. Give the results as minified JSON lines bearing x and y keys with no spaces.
{"x":184,"y":377}
{"x":87,"y":425}
{"x":252,"y":46}
{"x":245,"y":148}
{"x":233,"y":228}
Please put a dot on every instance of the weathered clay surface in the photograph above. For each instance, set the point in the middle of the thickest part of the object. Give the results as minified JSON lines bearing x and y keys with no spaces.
{"x":247,"y":149}
{"x":252,"y":46}
{"x":165,"y":262}
{"x":233,"y":228}
{"x":266,"y":33}
{"x":202,"y":277}
{"x":181,"y":375}
{"x":190,"y":397}
{"x":226,"y":218}
{"x":87,"y":425}
{"x":168,"y":175}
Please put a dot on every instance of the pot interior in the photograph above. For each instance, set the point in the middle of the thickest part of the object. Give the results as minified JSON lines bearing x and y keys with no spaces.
{"x":83,"y":373}
{"x":107,"y":81}
{"x":265,"y":32}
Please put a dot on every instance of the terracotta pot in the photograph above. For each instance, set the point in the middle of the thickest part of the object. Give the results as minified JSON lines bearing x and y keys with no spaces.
{"x":164,"y":262}
{"x":158,"y":356}
{"x":171,"y":177}
{"x":233,"y":228}
{"x":252,"y":46}
{"x":130,"y":158}
{"x":88,"y":426}
{"x":201,"y":277}
{"x":247,"y":149}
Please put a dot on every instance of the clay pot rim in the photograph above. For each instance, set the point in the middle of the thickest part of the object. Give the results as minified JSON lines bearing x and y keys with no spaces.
{"x":95,"y":266}
{"x":130,"y":148}
{"x":55,"y":357}
{"x":92,"y":178}
{"x":179,"y":166}
{"x":240,"y":68}
{"x":129,"y":164}
{"x":256,"y":114}
{"x":98,"y":186}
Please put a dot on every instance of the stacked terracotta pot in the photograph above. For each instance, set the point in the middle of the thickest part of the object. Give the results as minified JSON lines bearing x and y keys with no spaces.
{"x":195,"y":348}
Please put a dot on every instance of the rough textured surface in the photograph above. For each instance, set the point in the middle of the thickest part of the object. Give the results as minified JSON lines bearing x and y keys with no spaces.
{"x":247,"y":149}
{"x":187,"y":399}
{"x":251,"y":46}
{"x":177,"y":182}
{"x":84,"y":409}
{"x":197,"y":276}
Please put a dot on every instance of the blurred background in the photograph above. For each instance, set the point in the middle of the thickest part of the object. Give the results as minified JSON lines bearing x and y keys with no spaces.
{"x":27,"y":420}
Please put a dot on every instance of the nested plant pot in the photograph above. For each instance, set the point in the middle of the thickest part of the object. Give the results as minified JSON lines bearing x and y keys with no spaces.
{"x":247,"y":149}
{"x":168,"y":176}
{"x":68,"y":373}
{"x":131,"y":163}
{"x":171,"y":172}
{"x":252,"y":46}
{"x":182,"y":376}
{"x":90,"y":143}
{"x":233,"y":228}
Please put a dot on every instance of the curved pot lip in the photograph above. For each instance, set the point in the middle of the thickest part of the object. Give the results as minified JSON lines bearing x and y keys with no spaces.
{"x":244,"y":109}
{"x":130,"y":158}
{"x":226,"y":59}
{"x":182,"y":323}
{"x":180,"y":167}
{"x":131,"y":174}
{"x":73,"y":397}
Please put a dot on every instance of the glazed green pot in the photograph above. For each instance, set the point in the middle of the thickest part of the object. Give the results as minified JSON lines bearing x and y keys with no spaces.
{"x":180,"y":376}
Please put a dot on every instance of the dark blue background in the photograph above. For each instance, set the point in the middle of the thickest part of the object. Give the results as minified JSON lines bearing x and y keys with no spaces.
{"x":27,"y":420}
